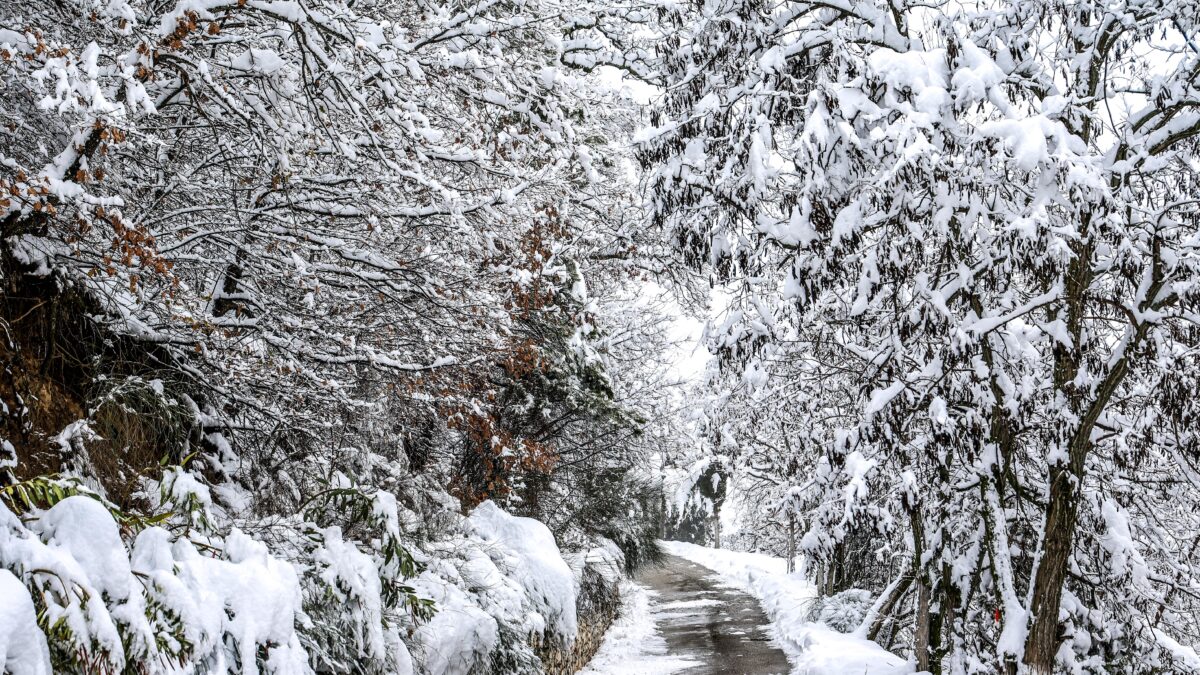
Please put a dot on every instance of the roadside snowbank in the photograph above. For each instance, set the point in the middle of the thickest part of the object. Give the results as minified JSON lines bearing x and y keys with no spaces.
{"x":500,"y":581}
{"x":813,"y":648}
{"x":534,"y":561}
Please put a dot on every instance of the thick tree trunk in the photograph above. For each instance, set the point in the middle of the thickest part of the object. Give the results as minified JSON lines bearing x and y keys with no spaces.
{"x":1058,"y":536}
{"x":1042,"y":644}
{"x":921,"y":628}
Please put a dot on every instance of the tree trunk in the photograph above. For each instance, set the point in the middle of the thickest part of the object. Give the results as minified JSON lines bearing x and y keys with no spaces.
{"x":921,"y":620}
{"x":921,"y":627}
{"x":1043,"y":640}
{"x":791,"y":547}
{"x":1042,"y":644}
{"x":662,"y":515}
{"x":878,"y":614}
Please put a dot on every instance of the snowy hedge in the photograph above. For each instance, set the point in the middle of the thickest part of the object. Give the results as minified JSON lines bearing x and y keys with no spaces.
{"x":85,"y":588}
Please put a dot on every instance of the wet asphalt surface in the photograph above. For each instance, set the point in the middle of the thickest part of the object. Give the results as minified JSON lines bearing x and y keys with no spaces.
{"x":720,"y":628}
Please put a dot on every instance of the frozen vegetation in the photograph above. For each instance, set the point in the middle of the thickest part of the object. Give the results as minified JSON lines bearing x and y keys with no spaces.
{"x":229,"y":600}
{"x":367,"y":337}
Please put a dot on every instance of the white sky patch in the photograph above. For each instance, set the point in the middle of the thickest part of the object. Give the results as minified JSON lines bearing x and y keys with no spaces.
{"x":690,"y":357}
{"x":636,"y":90}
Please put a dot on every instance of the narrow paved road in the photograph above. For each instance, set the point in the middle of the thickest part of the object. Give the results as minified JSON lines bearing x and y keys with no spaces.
{"x":720,"y":629}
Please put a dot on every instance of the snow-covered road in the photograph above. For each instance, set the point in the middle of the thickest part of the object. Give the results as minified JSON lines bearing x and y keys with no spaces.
{"x":709,"y":611}
{"x":680,"y":618}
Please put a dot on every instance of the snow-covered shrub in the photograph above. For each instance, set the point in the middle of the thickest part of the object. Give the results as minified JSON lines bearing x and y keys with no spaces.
{"x":501,"y":585}
{"x":355,"y":594}
{"x":105,"y":607}
{"x":342,"y":586}
{"x":23,"y":648}
{"x":115,"y":591}
{"x":843,"y":611}
{"x":527,"y":550}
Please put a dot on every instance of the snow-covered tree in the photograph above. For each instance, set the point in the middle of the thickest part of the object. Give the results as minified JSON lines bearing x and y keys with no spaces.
{"x":343,"y":260}
{"x":977,"y":221}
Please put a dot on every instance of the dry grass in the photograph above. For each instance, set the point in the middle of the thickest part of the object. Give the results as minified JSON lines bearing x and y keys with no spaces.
{"x":52,"y":357}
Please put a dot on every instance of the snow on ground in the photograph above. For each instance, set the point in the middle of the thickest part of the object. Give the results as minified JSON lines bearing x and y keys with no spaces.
{"x":633,"y":645}
{"x":813,"y":648}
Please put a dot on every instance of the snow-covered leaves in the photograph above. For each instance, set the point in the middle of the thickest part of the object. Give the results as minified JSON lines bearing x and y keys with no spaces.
{"x":105,"y":606}
{"x":308,"y":240}
{"x":959,"y":284}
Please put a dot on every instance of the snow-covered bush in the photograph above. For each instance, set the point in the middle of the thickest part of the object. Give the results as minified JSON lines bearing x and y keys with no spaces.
{"x":104,"y":606}
{"x":23,"y":648}
{"x":501,"y":585}
{"x":525,"y":549}
{"x":843,"y":611}
{"x":356,"y":594}
{"x":346,"y":590}
{"x":116,"y":591}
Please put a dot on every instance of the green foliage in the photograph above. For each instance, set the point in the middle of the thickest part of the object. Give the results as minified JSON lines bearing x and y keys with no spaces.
{"x":58,"y":598}
{"x":354,"y":508}
{"x":342,"y":615}
{"x":190,"y":506}
{"x":43,"y":492}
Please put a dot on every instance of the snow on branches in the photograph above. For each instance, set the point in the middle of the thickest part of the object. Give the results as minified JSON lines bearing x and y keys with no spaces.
{"x":299,"y":245}
{"x":976,"y":224}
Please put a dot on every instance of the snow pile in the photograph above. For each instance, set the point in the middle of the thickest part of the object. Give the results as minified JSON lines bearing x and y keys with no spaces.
{"x":536,"y":564}
{"x":604,"y":557}
{"x":226,"y":604}
{"x":22,"y":646}
{"x":249,"y":596}
{"x":462,"y":634}
{"x":813,"y":648}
